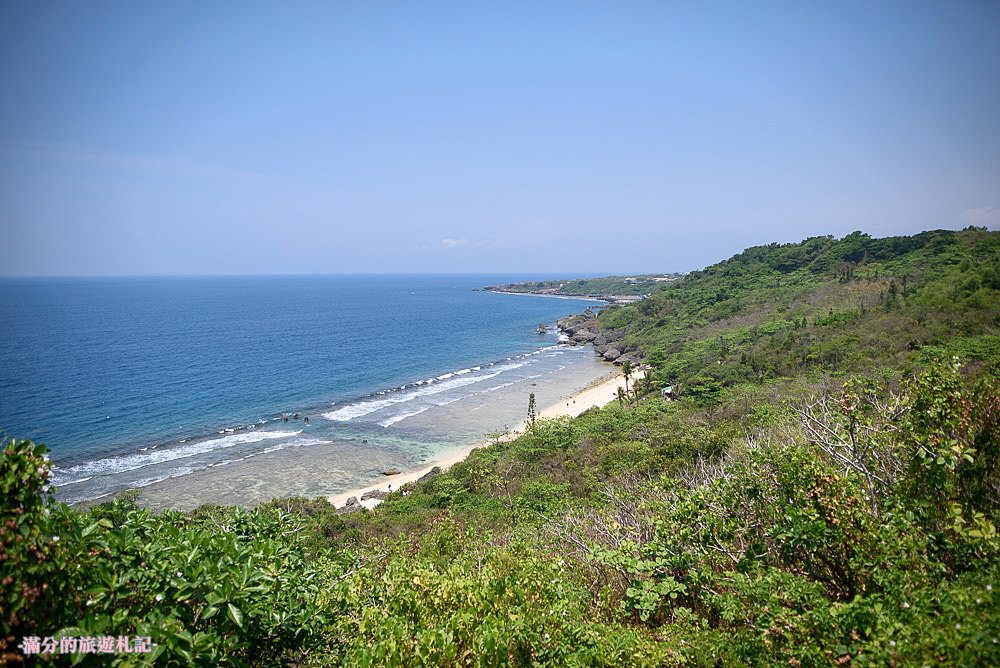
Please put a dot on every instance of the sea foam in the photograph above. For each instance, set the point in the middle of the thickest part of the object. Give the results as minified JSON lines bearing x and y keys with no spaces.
{"x":123,"y":463}
{"x":362,"y":408}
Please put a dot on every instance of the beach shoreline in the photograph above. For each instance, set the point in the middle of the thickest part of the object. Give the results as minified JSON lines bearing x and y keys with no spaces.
{"x":607,"y":300}
{"x":599,"y":392}
{"x":517,"y":293}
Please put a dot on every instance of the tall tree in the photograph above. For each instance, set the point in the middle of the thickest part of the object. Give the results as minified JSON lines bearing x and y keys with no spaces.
{"x":627,"y":372}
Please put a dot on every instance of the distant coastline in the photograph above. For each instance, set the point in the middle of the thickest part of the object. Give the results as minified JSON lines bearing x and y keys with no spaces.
{"x":525,"y":293}
{"x":609,"y":289}
{"x":607,"y":299}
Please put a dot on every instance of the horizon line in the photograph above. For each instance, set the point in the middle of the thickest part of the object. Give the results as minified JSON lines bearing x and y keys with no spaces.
{"x":581,"y":274}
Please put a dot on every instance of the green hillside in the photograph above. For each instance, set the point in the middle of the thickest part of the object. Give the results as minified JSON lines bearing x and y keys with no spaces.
{"x":824,"y":491}
{"x":824,"y":305}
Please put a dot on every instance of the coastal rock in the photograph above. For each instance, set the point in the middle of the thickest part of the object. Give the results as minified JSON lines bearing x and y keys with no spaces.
{"x":571,"y":320}
{"x":392,"y":471}
{"x":577,"y":323}
{"x":352,"y":505}
{"x":581,"y":329}
{"x":430,"y":474}
{"x":374,"y":494}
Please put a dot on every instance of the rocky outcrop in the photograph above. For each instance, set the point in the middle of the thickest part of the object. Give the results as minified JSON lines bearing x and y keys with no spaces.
{"x":374,"y":494}
{"x":392,"y":471}
{"x":609,"y":344}
{"x":352,"y":505}
{"x":577,"y":329}
{"x":430,"y":474}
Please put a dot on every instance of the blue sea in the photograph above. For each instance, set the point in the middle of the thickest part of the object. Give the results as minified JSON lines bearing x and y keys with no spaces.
{"x":241,"y":389}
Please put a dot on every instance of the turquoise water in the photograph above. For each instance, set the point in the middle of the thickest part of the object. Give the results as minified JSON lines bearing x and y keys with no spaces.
{"x":132,"y":382}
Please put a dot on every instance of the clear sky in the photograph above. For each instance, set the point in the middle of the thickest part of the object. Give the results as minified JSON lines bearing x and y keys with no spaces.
{"x":577,"y":137}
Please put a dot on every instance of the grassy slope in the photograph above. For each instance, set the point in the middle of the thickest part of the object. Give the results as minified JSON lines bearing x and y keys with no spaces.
{"x":824,"y":306}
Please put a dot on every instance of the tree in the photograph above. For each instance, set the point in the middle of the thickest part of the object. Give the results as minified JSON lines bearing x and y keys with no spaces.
{"x":531,"y":410}
{"x":627,"y":372}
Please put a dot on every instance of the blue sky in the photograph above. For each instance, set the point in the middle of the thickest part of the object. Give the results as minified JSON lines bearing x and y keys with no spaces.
{"x":582,"y":138}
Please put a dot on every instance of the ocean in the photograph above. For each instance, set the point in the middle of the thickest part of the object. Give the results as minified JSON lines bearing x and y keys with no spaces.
{"x":241,"y":389}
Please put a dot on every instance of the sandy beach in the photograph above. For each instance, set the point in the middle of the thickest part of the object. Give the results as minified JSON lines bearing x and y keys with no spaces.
{"x":599,"y":393}
{"x":345,"y":448}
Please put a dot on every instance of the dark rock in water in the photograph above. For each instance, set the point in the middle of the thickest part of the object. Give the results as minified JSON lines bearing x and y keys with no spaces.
{"x":612,"y":354}
{"x":430,"y":474}
{"x":374,"y":494}
{"x":392,"y":471}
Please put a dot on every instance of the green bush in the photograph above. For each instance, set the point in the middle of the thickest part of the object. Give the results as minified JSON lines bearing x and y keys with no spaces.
{"x":44,"y":549}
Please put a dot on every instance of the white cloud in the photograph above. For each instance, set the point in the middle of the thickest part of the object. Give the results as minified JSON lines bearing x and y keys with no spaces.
{"x":449,"y":244}
{"x":987,"y":215}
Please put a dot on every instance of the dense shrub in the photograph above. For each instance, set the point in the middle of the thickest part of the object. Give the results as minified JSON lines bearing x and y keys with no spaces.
{"x":231,"y":586}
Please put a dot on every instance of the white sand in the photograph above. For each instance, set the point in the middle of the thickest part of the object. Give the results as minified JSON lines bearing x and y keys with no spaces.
{"x":599,"y":393}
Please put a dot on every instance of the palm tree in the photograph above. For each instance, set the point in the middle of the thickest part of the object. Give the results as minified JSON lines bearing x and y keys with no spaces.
{"x":627,"y":372}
